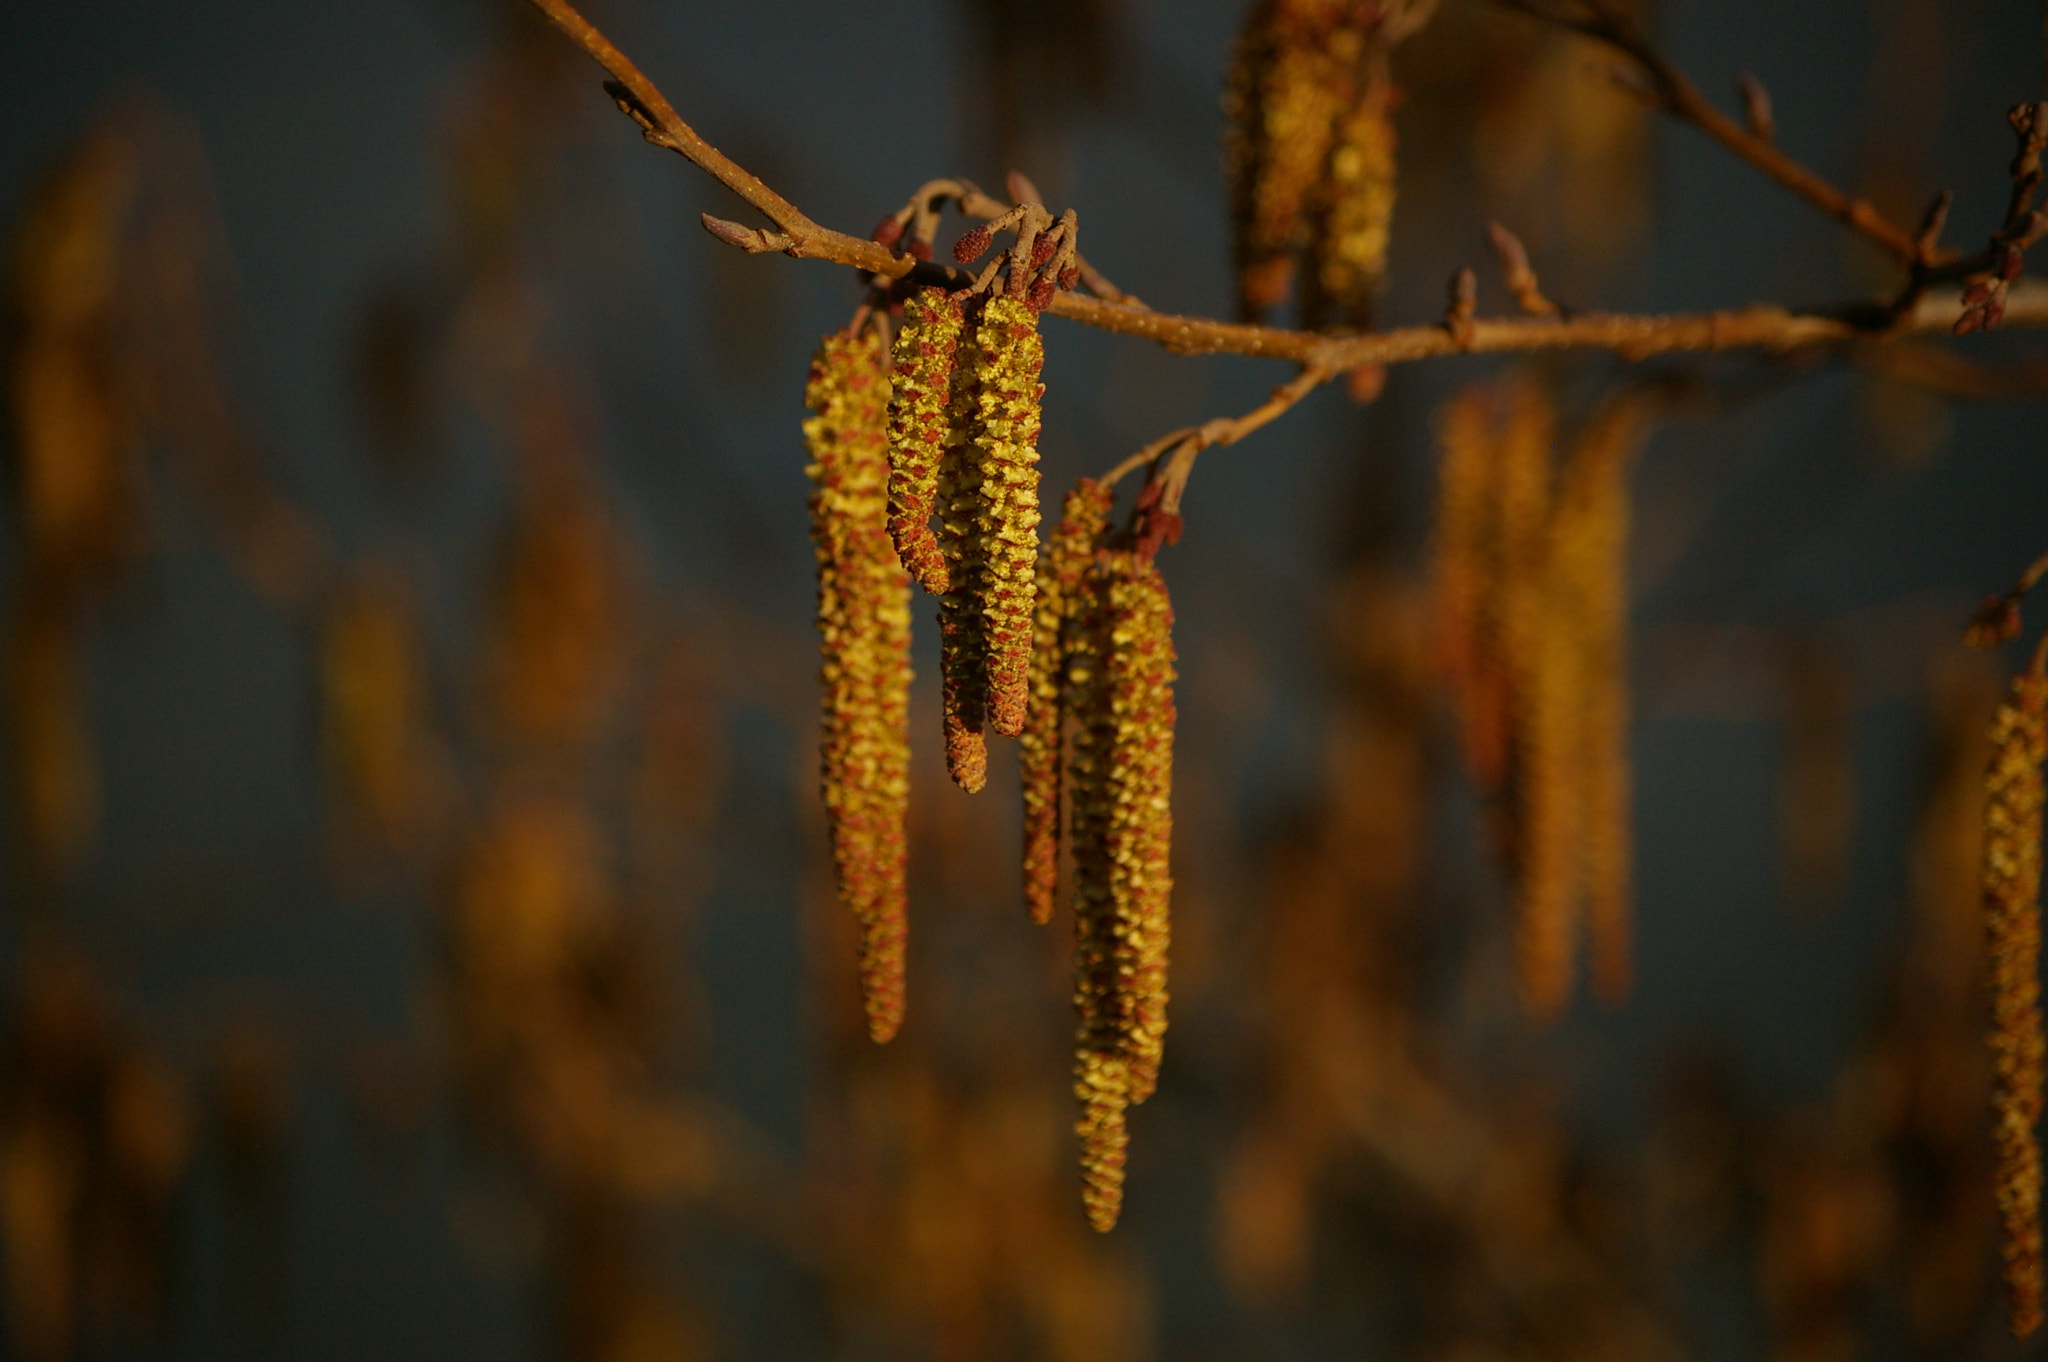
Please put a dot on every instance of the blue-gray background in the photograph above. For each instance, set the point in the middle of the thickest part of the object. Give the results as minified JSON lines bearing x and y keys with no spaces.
{"x":320,"y":122}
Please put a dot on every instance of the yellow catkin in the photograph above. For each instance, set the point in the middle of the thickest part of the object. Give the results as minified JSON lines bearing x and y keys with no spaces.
{"x":1082,"y":517}
{"x":864,"y":625}
{"x":1589,"y":575}
{"x":1358,"y":214}
{"x":920,"y":393}
{"x":1543,"y":667}
{"x":1463,"y":582}
{"x":1290,"y":82}
{"x":963,"y":627}
{"x":1008,"y":357}
{"x":1120,"y":687}
{"x":2012,"y":913}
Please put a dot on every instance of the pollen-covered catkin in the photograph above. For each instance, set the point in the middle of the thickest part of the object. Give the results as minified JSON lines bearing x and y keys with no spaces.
{"x":1590,"y":552}
{"x":864,"y":627}
{"x":1120,"y":688}
{"x":1544,"y":670}
{"x":1008,"y":355}
{"x":920,"y":394}
{"x":1083,"y":515}
{"x":1290,"y":81}
{"x":963,"y":624}
{"x":1357,"y":214}
{"x":1464,"y":584}
{"x":2012,"y":923}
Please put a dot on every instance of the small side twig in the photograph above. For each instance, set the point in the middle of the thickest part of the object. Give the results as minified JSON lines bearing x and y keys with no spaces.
{"x":1998,"y":619}
{"x":1671,"y":90}
{"x":1172,"y":456}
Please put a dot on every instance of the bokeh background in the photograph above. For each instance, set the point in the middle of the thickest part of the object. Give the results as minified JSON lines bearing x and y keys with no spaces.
{"x":419,"y":938}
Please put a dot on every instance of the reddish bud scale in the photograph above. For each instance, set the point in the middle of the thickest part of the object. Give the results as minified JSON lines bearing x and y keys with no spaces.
{"x":2012,"y":920}
{"x":864,"y":627}
{"x":1083,"y":516}
{"x":973,"y":245}
{"x":1120,"y":689}
{"x":920,"y":392}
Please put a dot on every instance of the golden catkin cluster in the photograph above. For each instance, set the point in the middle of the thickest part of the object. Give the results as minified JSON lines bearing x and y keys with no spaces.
{"x":1532,"y":621}
{"x":1083,"y":516}
{"x":1120,"y":676}
{"x":1309,"y":152}
{"x":2012,"y":911}
{"x":864,"y":624}
{"x":920,"y":391}
{"x":988,"y":515}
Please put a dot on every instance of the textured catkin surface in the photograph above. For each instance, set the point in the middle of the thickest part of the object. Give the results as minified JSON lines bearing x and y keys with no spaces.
{"x":2012,"y":925}
{"x":963,"y":624}
{"x":1120,"y":676}
{"x":1357,"y":216}
{"x":1083,"y":515}
{"x":864,"y":633}
{"x":1289,"y":83}
{"x":921,"y":379}
{"x":1008,"y":357}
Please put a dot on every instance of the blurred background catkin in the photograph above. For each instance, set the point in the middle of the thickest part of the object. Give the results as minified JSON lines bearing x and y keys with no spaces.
{"x":419,"y":935}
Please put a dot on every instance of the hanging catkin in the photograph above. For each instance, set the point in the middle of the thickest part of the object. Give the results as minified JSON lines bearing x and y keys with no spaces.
{"x":1008,"y":356}
{"x":1290,"y":80}
{"x":1543,"y":669}
{"x":1120,"y":688}
{"x":920,"y":393}
{"x":1464,"y":584}
{"x":1589,"y":574}
{"x":1357,"y":213}
{"x":2012,"y":913}
{"x":864,"y":625}
{"x":963,"y":627}
{"x":1082,"y":517}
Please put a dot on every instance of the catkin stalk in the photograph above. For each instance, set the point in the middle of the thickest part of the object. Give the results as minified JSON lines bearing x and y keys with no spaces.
{"x":2012,"y":921}
{"x":864,"y":628}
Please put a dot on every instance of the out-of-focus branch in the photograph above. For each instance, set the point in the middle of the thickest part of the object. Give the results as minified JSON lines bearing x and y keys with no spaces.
{"x":1674,"y":92}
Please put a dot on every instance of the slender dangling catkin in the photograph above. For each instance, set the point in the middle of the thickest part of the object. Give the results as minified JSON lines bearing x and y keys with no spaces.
{"x":1008,"y":356}
{"x":1120,"y":688}
{"x":920,"y":393}
{"x":864,"y":625}
{"x":1464,"y":584}
{"x":963,"y":625}
{"x":1590,"y":545}
{"x":1290,"y":81}
{"x":2012,"y":923}
{"x":1543,"y":669}
{"x":1082,"y":517}
{"x":1357,"y":214}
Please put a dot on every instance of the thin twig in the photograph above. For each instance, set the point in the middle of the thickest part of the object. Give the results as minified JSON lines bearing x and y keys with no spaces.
{"x":1671,"y":89}
{"x":1769,"y":329}
{"x":1180,"y":447}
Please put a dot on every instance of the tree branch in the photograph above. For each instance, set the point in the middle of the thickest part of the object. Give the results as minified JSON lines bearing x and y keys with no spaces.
{"x":1671,"y":89}
{"x":1757,"y":327}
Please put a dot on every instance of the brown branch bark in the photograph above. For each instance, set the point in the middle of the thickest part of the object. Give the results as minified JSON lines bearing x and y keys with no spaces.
{"x":1757,"y":327}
